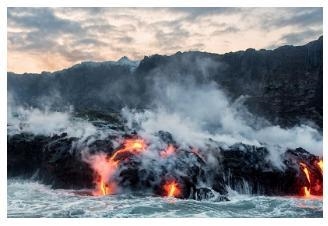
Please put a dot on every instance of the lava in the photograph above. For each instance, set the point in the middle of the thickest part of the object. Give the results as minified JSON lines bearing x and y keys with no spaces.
{"x":132,"y":146}
{"x":172,"y":189}
{"x":320,"y":165}
{"x":306,"y":172}
{"x":106,"y":167}
{"x":314,"y":186}
{"x":103,"y":188}
{"x":306,"y":192}
{"x":170,"y":150}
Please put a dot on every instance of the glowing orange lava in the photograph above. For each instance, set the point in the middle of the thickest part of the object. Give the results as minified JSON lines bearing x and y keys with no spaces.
{"x":106,"y":168}
{"x":168,"y":151}
{"x":130,"y":145}
{"x":306,"y":172}
{"x":306,"y":192}
{"x":104,"y":188}
{"x":172,"y":189}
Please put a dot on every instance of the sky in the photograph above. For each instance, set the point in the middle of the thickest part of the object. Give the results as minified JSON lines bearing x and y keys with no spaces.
{"x":50,"y":39}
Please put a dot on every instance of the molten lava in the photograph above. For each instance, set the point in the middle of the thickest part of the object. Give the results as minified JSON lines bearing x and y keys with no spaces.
{"x":103,"y":188}
{"x":306,"y":192}
{"x":106,"y":168}
{"x":172,"y":189}
{"x":314,"y":186}
{"x":306,"y":172}
{"x":170,"y":150}
{"x":130,"y":145}
{"x":320,"y":165}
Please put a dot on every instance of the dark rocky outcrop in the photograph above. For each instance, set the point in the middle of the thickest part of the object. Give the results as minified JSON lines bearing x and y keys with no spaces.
{"x":24,"y":155}
{"x":54,"y":160}
{"x":57,"y":161}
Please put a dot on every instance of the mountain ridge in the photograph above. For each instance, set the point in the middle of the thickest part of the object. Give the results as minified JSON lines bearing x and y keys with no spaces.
{"x":178,"y":52}
{"x":283,"y":85}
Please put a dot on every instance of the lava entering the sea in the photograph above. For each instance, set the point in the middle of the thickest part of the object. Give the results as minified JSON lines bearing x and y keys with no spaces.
{"x":172,"y":189}
{"x":314,"y":180}
{"x":110,"y":168}
{"x":306,"y":192}
{"x":107,"y":169}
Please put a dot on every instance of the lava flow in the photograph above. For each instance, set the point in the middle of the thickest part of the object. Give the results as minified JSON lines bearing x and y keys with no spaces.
{"x":306,"y":172}
{"x":172,"y":189}
{"x":306,"y":190}
{"x":106,"y":167}
{"x":314,"y":185}
{"x":170,"y":150}
{"x":104,"y":188}
{"x":132,"y":146}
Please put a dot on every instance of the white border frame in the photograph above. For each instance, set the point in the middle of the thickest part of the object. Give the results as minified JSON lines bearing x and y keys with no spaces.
{"x":148,"y":3}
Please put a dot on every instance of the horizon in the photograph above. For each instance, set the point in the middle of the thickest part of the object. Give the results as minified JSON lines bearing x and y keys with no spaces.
{"x":52,"y":39}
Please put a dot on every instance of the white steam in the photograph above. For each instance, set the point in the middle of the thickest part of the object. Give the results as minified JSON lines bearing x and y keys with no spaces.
{"x":48,"y":123}
{"x":194,"y":112}
{"x":192,"y":108}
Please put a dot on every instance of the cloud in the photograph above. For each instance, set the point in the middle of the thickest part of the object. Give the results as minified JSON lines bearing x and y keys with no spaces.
{"x":194,"y":13}
{"x":297,"y":17}
{"x":71,"y":35}
{"x":296,"y":38}
{"x":226,"y":30}
{"x":175,"y":34}
{"x":42,"y":19}
{"x":49,"y":33}
{"x":299,"y":37}
{"x":126,"y":39}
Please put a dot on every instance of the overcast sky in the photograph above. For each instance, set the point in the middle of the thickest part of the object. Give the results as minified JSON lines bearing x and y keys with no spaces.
{"x":49,"y":39}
